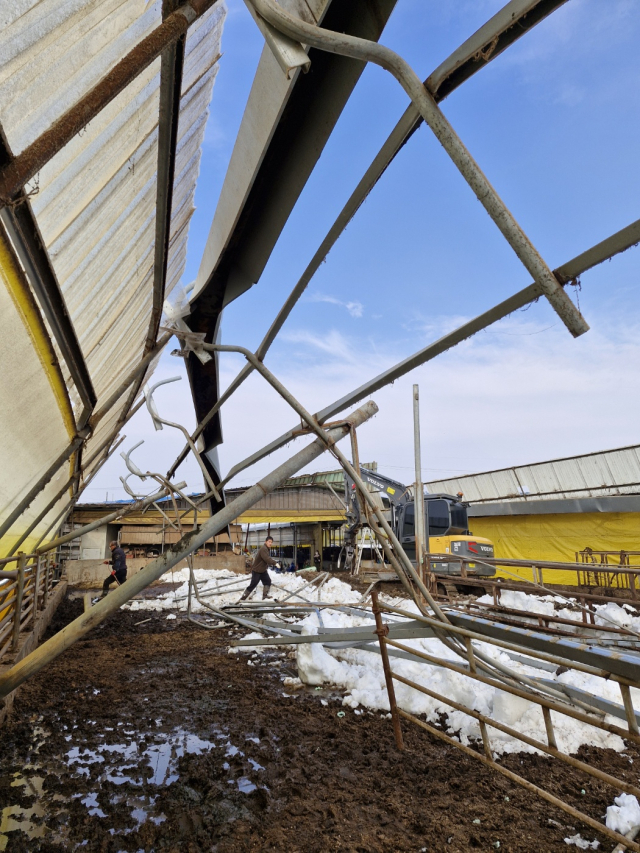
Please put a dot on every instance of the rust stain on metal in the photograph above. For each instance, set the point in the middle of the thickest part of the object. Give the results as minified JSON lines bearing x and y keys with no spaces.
{"x":27,"y":164}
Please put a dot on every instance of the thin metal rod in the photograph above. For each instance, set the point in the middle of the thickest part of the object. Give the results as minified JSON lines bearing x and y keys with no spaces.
{"x":628,"y":709}
{"x":548,"y":724}
{"x":37,"y":587}
{"x":382,"y":631}
{"x":18,"y":601}
{"x":50,"y":650}
{"x":418,"y":497}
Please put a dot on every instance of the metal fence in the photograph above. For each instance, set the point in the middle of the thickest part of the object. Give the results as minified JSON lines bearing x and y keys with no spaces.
{"x":580,"y":705}
{"x":594,"y":576}
{"x":24,"y":592}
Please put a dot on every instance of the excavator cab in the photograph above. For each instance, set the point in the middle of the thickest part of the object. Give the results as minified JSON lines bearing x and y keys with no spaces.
{"x":447,"y":524}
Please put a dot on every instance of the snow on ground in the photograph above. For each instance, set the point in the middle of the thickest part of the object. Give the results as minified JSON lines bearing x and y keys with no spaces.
{"x":220,"y":587}
{"x":608,"y":615}
{"x":359,"y":674}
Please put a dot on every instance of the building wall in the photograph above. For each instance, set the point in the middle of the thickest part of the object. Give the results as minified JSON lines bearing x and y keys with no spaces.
{"x":91,"y":573}
{"x":93,"y":545}
{"x":558,"y":537}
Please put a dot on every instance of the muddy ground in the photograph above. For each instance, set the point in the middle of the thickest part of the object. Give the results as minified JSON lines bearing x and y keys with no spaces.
{"x":149,"y":736}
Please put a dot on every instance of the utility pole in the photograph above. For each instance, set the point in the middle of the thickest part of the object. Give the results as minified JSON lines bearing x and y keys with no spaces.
{"x":422,"y":541}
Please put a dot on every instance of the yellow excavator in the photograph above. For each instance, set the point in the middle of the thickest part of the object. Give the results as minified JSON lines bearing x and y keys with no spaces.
{"x":446,"y":523}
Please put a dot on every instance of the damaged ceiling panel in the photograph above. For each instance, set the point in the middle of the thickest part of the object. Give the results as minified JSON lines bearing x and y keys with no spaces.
{"x":94,"y":206}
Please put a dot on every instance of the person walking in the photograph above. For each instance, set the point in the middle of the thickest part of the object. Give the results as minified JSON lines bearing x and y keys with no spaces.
{"x":259,"y":570}
{"x":317,"y":560}
{"x":118,"y":562}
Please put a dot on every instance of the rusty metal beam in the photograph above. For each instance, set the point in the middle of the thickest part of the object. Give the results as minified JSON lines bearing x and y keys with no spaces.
{"x":28,"y":163}
{"x":171,"y":67}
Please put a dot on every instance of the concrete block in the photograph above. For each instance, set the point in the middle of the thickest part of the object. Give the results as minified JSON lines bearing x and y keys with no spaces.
{"x":90,"y":574}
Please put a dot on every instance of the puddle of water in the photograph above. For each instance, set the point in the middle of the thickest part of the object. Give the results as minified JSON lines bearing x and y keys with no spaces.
{"x":110,"y":762}
{"x":91,"y":802}
{"x":245,"y":785}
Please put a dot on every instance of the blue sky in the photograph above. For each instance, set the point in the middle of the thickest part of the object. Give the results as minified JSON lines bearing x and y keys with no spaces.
{"x":554,"y":123}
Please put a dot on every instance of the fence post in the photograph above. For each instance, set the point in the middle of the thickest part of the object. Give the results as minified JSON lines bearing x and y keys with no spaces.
{"x":36,"y":588}
{"x":382,"y":631}
{"x":22,"y":559}
{"x":45,"y":594}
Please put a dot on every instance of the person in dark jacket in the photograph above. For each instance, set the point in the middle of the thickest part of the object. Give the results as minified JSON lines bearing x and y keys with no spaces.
{"x":259,"y":570}
{"x":118,"y":562}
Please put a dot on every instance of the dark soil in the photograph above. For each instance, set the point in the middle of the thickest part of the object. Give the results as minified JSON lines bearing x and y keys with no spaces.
{"x":149,"y":736}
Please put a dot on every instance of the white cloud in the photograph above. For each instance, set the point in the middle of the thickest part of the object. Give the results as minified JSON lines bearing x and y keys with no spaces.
{"x":519,"y":392}
{"x":356,"y":309}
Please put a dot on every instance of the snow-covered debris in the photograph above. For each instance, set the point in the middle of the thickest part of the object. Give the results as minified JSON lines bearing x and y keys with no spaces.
{"x":582,"y":843}
{"x":624,"y":816}
{"x":359,"y":675}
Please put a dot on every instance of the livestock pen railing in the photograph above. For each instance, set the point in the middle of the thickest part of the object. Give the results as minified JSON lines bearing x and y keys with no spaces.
{"x":24,"y":591}
{"x":468,"y":638}
{"x":542,"y":572}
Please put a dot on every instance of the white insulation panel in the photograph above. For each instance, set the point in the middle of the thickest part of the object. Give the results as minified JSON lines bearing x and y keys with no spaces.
{"x":94,"y":202}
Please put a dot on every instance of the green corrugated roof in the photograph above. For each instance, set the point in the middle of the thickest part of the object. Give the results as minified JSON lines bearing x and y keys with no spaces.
{"x":336,"y":478}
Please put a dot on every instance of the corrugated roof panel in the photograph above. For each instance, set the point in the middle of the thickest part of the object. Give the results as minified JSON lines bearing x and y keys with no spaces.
{"x":55,"y":52}
{"x":611,"y":472}
{"x":624,"y":465}
{"x":94,"y":202}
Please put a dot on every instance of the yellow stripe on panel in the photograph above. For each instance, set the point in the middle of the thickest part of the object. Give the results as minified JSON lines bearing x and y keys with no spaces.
{"x":29,"y":312}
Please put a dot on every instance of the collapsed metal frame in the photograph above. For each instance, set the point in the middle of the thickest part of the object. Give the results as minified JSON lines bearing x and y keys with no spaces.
{"x":389,"y":640}
{"x":574,"y":704}
{"x":515,"y":18}
{"x":503,"y":29}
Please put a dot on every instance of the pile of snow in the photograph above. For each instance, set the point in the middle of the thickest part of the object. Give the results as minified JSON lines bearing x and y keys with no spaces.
{"x":608,"y":615}
{"x":359,"y":674}
{"x":624,"y":816}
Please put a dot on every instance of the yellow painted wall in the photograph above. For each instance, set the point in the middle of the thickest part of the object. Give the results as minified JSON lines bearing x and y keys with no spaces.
{"x":558,"y":537}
